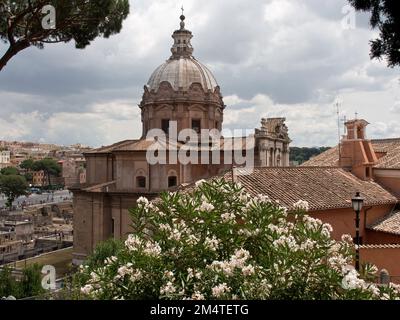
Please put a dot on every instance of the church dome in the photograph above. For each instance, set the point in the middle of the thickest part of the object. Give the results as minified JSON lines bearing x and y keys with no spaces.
{"x":182,"y":69}
{"x":181,"y":74}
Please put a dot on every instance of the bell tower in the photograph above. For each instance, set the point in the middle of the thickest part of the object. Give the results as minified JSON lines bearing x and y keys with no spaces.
{"x":356,"y":152}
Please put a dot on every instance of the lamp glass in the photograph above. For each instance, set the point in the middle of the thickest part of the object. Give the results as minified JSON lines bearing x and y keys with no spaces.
{"x":357,"y":202}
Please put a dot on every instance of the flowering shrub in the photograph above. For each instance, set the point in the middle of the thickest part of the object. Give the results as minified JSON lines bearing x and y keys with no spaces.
{"x":217,"y":242}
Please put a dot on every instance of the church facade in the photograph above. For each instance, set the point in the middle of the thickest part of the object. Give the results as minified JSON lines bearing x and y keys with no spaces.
{"x":182,"y":94}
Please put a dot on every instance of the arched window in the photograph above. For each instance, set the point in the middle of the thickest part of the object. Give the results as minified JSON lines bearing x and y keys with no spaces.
{"x":196,"y":125}
{"x":172,"y":181}
{"x":165,"y":125}
{"x":140,"y":182}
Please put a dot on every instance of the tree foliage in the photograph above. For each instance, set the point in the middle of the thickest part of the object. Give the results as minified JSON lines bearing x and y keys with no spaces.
{"x":27,"y":164}
{"x":50,"y":167}
{"x":385,"y":16}
{"x":12,"y":186}
{"x":28,"y":286}
{"x":302,"y":155}
{"x":79,"y":20}
{"x":9,"y":171}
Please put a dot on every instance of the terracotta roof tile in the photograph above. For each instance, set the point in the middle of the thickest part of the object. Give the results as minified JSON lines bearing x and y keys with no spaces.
{"x":110,"y":148}
{"x":144,"y":144}
{"x":388,"y":224}
{"x":322,"y":187}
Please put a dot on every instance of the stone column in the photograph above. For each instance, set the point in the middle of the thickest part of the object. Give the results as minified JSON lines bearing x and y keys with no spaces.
{"x":263,"y":157}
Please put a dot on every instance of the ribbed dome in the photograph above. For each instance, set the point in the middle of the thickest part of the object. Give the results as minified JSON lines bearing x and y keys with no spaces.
{"x":181,"y":74}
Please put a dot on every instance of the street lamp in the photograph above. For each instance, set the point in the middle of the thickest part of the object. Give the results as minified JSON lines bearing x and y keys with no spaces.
{"x":357,"y":201}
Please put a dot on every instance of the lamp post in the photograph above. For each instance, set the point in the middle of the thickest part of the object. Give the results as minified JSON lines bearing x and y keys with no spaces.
{"x":357,"y":201}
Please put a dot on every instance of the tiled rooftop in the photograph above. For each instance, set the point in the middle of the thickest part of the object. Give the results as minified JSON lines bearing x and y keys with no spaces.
{"x":388,"y":224}
{"x":389,"y":148}
{"x":322,"y":187}
{"x":144,"y":145}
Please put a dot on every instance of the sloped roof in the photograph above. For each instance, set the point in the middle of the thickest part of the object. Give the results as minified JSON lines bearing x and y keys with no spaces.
{"x":238,"y":143}
{"x":388,"y":224}
{"x":388,"y":153}
{"x":322,"y":187}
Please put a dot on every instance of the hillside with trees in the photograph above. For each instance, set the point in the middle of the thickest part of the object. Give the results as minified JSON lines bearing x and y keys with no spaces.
{"x":301,"y":155}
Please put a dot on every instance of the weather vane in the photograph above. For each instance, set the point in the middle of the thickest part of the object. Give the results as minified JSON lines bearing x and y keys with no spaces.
{"x":183,"y":10}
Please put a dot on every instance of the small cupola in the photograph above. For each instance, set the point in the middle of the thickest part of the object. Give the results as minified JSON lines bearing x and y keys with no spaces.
{"x":182,"y":46}
{"x":356,"y":152}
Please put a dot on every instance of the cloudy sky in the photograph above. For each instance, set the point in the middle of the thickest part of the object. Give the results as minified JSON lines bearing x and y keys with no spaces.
{"x":289,"y":58}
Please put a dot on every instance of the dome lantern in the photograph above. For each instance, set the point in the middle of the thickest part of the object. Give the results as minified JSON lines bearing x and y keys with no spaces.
{"x":182,"y":46}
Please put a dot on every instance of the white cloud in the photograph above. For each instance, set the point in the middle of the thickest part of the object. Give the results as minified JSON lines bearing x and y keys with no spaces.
{"x":396,"y":107}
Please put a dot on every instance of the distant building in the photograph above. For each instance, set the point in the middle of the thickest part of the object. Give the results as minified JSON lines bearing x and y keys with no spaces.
{"x":9,"y":245}
{"x":73,"y":171}
{"x":39,"y":178}
{"x":5,"y":159}
{"x":23,"y":230}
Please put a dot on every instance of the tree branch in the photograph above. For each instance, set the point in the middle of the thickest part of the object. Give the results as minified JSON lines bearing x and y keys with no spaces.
{"x":12,"y":51}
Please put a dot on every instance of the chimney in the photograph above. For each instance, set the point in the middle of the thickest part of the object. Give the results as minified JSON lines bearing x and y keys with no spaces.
{"x":356,"y":152}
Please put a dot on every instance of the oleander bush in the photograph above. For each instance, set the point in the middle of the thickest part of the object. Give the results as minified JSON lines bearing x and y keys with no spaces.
{"x":215,"y":241}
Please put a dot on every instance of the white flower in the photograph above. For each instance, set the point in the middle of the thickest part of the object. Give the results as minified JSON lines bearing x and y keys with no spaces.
{"x":143,"y":200}
{"x":228,"y":217}
{"x":279,"y":230}
{"x":197,"y":296}
{"x":94,"y":277}
{"x":339,"y":263}
{"x":87,"y":289}
{"x":211,"y":243}
{"x":248,"y":270}
{"x":165,"y":227}
{"x":200,"y":182}
{"x":308,"y":245}
{"x":262,"y":198}
{"x":385,"y":296}
{"x":326,"y":229}
{"x":351,"y":281}
{"x":220,"y":290}
{"x":347,"y":238}
{"x":110,"y":260}
{"x":193,"y":240}
{"x":242,"y":254}
{"x":205,"y":206}
{"x":175,"y":235}
{"x":289,"y":241}
{"x":152,"y":249}
{"x":169,"y":288}
{"x":301,"y":205}
{"x":137,"y":275}
{"x":133,"y":243}
{"x":312,"y":223}
{"x":123,"y":271}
